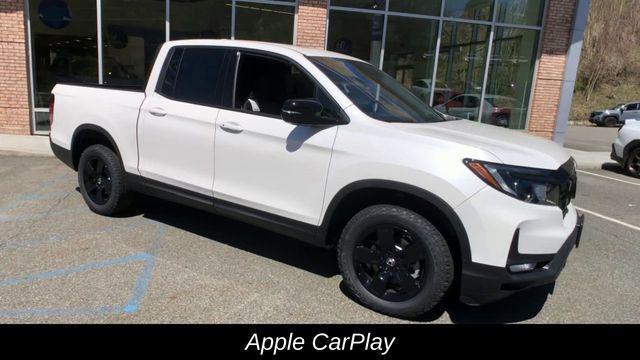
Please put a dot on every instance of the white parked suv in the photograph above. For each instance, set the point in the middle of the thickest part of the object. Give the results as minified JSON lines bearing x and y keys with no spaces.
{"x":626,"y":148}
{"x":328,"y":149}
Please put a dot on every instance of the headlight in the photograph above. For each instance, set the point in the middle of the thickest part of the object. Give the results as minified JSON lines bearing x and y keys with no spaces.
{"x":534,"y":186}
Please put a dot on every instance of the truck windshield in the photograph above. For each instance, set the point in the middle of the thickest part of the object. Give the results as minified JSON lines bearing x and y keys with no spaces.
{"x":375,"y":93}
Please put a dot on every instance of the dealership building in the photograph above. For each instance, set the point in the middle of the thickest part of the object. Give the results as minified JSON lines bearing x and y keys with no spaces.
{"x":508,"y":63}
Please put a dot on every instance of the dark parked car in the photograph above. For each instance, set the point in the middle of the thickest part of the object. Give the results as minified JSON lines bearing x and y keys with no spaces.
{"x":617,"y":115}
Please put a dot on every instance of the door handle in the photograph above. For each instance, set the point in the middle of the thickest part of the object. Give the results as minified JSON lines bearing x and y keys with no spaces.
{"x":231,"y":127}
{"x":157,"y":112}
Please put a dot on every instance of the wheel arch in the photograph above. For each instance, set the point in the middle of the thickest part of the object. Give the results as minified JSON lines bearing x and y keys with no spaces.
{"x":87,"y":135}
{"x":359,"y":195}
{"x":630,"y":147}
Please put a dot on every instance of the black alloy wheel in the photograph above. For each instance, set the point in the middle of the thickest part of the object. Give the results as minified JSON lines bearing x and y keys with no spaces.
{"x":395,"y":261}
{"x":101,"y":178}
{"x":97,"y":180}
{"x":390,"y":263}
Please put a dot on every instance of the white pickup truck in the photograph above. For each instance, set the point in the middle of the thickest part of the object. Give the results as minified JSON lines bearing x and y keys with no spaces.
{"x":328,"y":149}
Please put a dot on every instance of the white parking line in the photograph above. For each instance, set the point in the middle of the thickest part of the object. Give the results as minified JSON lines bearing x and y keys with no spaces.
{"x":632,"y":227}
{"x":608,"y":177}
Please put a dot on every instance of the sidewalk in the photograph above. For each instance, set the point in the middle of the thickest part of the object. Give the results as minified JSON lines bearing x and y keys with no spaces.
{"x":32,"y":145}
{"x":39,"y":145}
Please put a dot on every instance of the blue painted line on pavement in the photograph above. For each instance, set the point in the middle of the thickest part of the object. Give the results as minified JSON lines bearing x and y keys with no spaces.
{"x":59,"y":212}
{"x":74,"y":269}
{"x":133,"y":304}
{"x":144,"y":278}
{"x":49,"y":239}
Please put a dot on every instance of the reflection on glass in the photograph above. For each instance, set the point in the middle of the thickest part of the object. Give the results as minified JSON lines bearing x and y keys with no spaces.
{"x":363,"y":41}
{"x":423,"y":7}
{"x":200,"y":19}
{"x":469,"y":9}
{"x":63,"y":45}
{"x":375,"y":93}
{"x":510,"y":75}
{"x":410,"y":53}
{"x":132,"y":31}
{"x":42,"y":121}
{"x":362,"y":4}
{"x":523,"y":12}
{"x":263,"y":22}
{"x":461,"y":64}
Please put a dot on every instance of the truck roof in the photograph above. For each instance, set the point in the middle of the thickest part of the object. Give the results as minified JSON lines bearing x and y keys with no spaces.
{"x":261,"y":45}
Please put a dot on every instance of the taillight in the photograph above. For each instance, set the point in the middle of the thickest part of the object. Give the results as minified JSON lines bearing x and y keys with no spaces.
{"x":51,"y":104}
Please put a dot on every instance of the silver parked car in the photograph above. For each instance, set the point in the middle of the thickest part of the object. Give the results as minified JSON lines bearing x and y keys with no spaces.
{"x":617,"y":115}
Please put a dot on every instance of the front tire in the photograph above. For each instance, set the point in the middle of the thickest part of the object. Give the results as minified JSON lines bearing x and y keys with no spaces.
{"x":633,"y":162}
{"x":610,"y":122}
{"x":394,"y":261}
{"x":101,"y":178}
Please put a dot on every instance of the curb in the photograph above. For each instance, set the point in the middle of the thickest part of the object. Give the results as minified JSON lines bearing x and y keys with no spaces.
{"x":25,"y":145}
{"x":590,"y":160}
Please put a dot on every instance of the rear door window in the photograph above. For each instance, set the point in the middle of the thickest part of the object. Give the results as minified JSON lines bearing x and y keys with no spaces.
{"x":193,"y":75}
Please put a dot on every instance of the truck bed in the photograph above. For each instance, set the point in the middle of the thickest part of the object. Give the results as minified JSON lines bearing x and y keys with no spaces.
{"x":88,"y":107}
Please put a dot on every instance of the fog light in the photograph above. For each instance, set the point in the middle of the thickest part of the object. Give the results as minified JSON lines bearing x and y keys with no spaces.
{"x":522,"y":268}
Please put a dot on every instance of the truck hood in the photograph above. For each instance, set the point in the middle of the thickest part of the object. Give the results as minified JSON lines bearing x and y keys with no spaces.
{"x":510,"y":146}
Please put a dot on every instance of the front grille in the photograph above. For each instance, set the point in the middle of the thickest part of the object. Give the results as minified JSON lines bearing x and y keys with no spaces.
{"x":596,"y":113}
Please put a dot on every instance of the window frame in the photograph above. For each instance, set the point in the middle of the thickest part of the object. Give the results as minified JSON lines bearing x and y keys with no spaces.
{"x":219,"y":87}
{"x":343,"y":117}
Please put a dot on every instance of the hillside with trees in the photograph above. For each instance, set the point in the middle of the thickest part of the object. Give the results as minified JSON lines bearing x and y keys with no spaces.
{"x":609,"y":71}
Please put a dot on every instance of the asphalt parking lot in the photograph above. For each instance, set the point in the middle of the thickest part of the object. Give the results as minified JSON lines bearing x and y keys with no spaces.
{"x":590,"y":138}
{"x":162,"y":263}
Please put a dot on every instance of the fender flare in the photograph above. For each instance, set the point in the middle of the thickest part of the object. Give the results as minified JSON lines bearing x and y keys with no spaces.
{"x":428,"y":197}
{"x":96,"y":128}
{"x":627,"y":149}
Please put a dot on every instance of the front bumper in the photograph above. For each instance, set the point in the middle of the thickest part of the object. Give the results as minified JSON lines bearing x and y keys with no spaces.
{"x":614,"y":155}
{"x":481,"y":284}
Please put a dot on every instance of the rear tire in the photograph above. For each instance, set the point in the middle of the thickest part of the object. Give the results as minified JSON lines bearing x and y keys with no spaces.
{"x":394,"y":261}
{"x":101,"y":178}
{"x":503,"y":121}
{"x":610,"y":122}
{"x":632,"y":165}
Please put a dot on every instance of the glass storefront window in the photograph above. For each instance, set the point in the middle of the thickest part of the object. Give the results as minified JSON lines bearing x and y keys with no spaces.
{"x":264,"y":22}
{"x":410,"y":53}
{"x":461,"y":66}
{"x":63,"y":45}
{"x":356,"y":34}
{"x":202,"y":19}
{"x":522,"y":12}
{"x":361,"y":4}
{"x":510,"y":76}
{"x":422,"y":7}
{"x":42,"y":121}
{"x":469,"y":9}
{"x":132,"y":31}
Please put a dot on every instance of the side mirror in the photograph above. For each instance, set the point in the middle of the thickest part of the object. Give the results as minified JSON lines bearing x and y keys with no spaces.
{"x":304,"y":112}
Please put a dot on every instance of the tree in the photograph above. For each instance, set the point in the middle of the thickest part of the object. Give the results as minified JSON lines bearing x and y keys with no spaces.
{"x":612,"y":38}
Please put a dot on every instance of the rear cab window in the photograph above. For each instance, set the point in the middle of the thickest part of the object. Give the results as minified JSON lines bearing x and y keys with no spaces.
{"x":194,"y":75}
